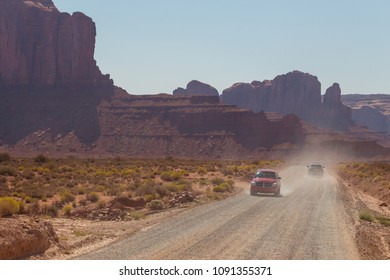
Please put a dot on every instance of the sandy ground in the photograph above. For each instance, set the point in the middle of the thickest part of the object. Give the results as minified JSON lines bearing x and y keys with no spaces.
{"x":307,"y":221}
{"x":372,"y":239}
{"x":79,"y":237}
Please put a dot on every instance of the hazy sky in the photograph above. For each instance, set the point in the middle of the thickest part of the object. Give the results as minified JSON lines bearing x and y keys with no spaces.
{"x":152,"y":46}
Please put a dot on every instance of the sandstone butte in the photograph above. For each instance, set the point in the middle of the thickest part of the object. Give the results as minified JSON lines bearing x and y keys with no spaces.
{"x":41,"y":46}
{"x":195,"y":87}
{"x":293,"y":93}
{"x":55,"y":100}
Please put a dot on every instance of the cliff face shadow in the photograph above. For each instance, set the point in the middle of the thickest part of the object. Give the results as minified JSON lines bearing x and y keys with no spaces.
{"x":62,"y":111}
{"x":250,"y":130}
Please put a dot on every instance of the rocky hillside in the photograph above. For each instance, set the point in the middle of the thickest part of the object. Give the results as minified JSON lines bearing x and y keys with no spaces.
{"x":165,"y":125}
{"x":23,"y":237}
{"x":370,"y":110}
{"x":190,"y":126}
{"x":293,"y":93}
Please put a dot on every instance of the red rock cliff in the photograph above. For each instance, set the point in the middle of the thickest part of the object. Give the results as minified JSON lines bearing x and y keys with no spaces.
{"x":196,"y":88}
{"x":293,"y":93}
{"x":42,"y":47}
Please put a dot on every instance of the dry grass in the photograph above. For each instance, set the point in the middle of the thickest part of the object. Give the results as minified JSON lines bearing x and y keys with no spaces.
{"x":372,"y":178}
{"x":60,"y":186}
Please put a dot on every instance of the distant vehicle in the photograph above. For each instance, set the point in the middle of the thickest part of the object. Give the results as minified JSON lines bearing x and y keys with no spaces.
{"x":315,"y":169}
{"x":266,"y":181}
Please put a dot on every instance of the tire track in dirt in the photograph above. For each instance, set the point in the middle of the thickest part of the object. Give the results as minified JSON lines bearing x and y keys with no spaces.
{"x":307,"y":222}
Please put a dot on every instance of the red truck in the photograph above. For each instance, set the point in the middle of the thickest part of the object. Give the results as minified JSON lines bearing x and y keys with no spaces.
{"x":266,"y":181}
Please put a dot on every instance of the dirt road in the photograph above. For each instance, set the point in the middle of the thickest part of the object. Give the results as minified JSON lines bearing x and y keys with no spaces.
{"x":307,"y":221}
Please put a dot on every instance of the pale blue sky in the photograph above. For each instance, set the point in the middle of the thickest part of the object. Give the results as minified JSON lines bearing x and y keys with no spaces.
{"x":152,"y":46}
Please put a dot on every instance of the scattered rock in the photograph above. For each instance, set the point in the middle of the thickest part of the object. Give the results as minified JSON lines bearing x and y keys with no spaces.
{"x":181,"y":198}
{"x":105,"y":214}
{"x":123,"y":201}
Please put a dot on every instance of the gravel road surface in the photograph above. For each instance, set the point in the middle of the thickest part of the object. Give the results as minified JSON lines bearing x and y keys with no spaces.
{"x":308,"y":221}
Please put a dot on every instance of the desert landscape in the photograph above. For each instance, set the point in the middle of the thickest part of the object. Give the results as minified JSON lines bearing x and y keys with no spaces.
{"x":85,"y":166}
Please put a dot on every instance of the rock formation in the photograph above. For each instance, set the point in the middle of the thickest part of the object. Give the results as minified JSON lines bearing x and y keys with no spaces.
{"x":293,"y":93}
{"x":49,"y":79}
{"x":54,"y":100}
{"x":334,"y":113}
{"x":370,"y":110}
{"x":42,"y":47}
{"x":23,"y":237}
{"x":196,"y":126}
{"x":196,"y":88}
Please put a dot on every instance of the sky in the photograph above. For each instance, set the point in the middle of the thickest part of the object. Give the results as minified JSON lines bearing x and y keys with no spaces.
{"x":155,"y":46}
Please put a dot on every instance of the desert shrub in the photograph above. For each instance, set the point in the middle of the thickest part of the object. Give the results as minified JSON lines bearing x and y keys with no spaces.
{"x":179,"y":186}
{"x":147,"y":187}
{"x":52,"y":166}
{"x":70,"y":185}
{"x":383,"y":220}
{"x":172,"y":187}
{"x":137,"y":215}
{"x":150,"y":197}
{"x":35,"y":208}
{"x":366,"y":216}
{"x":227,"y":171}
{"x":52,"y":210}
{"x":230,"y":182}
{"x":184,"y":186}
{"x":224,"y":187}
{"x":41,"y":159}
{"x":83,"y":202}
{"x":213,"y":195}
{"x":28,"y":199}
{"x":67,"y":196}
{"x":170,"y":176}
{"x":228,"y":187}
{"x":211,"y":168}
{"x":155,"y":205}
{"x":101,"y":204}
{"x":218,"y":189}
{"x":217,"y":181}
{"x":162,"y":191}
{"x":147,"y":175}
{"x":4,"y":157}
{"x":93,"y":197}
{"x":67,"y":209}
{"x":8,"y":171}
{"x":37,"y":192}
{"x":202,"y":182}
{"x":8,"y":206}
{"x":115,"y":190}
{"x":100,"y":189}
{"x":81,"y":191}
{"x":201,"y":170}
{"x":28,"y":174}
{"x":22,"y":207}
